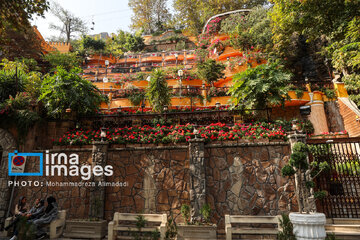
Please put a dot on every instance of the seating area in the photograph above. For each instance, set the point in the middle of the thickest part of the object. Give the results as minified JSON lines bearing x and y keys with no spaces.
{"x":265,"y":225}
{"x":56,"y":227}
{"x":125,"y":222}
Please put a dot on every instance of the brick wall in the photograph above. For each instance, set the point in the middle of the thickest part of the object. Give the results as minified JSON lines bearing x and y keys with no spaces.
{"x":352,"y":126}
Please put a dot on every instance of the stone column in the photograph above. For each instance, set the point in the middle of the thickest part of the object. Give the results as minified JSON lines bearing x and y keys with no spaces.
{"x":197,"y":177}
{"x":294,"y":138}
{"x":318,"y":115}
{"x":97,"y":193}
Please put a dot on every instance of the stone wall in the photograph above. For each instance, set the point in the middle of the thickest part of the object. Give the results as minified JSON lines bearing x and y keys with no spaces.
{"x":74,"y":199}
{"x":241,"y":178}
{"x":157,"y":180}
{"x":7,"y":145}
{"x":334,"y":118}
{"x":246,"y":179}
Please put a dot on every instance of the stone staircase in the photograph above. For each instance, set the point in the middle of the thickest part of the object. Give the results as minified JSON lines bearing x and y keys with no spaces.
{"x":344,"y":228}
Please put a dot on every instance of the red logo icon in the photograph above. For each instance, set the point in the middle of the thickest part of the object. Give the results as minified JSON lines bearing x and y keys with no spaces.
{"x":18,"y":160}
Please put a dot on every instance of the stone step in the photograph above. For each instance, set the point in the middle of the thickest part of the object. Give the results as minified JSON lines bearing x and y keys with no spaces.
{"x":343,"y":229}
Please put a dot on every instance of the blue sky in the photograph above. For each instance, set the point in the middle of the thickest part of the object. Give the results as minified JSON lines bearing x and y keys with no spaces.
{"x":108,"y":15}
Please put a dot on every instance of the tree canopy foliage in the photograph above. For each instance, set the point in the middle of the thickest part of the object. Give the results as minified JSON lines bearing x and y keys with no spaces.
{"x":249,"y":30}
{"x":17,"y":37}
{"x":193,"y":14}
{"x":65,"y":90}
{"x":210,"y":71}
{"x":66,"y":60}
{"x":125,"y":42}
{"x":158,"y":91}
{"x":261,"y":87}
{"x":149,"y":15}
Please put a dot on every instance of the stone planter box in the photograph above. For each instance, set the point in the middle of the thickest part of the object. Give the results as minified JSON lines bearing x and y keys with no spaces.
{"x":196,"y":232}
{"x":86,"y":229}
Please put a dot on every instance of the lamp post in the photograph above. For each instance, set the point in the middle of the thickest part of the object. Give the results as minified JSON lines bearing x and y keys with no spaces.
{"x":105,"y":80}
{"x":106,"y":66}
{"x":142,"y":107}
{"x":180,"y":74}
{"x":217,"y":105}
{"x":103,"y":134}
{"x":176,"y":57}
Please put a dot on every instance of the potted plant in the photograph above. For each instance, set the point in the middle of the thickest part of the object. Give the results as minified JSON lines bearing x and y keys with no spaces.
{"x":92,"y":228}
{"x":308,"y":224}
{"x":196,"y":228}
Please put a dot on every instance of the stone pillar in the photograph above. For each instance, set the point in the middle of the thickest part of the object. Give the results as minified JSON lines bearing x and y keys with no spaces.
{"x":294,"y":138}
{"x":197,"y":177}
{"x":97,"y":193}
{"x":317,"y":115}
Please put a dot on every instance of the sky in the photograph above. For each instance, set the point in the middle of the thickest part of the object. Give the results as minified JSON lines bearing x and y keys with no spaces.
{"x":108,"y":15}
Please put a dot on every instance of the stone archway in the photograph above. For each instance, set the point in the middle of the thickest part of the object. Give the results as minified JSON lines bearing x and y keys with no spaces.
{"x":7,"y":145}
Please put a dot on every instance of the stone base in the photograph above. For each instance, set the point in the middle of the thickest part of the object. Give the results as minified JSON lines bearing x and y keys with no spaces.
{"x":85,"y":229}
{"x":308,"y":226}
{"x":196,"y":232}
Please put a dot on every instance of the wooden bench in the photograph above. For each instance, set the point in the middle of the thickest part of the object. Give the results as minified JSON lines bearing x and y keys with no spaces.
{"x":56,"y":227}
{"x":116,"y":225}
{"x":246,"y":230}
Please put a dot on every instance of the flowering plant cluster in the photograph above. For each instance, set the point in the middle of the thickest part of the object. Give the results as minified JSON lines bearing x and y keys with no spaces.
{"x":187,"y":92}
{"x":218,"y":44}
{"x":175,"y":134}
{"x":218,"y":92}
{"x":213,"y":26}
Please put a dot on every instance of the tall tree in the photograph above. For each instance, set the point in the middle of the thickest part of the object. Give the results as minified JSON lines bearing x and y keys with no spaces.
{"x":149,"y":15}
{"x":161,"y":15}
{"x":142,"y":18}
{"x":69,"y":22}
{"x":312,"y":19}
{"x":17,"y":38}
{"x":194,"y":13}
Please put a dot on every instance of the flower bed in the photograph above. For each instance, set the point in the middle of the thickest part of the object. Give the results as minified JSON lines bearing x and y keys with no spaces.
{"x":176,"y":134}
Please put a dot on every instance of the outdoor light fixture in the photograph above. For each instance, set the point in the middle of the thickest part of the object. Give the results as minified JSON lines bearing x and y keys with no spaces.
{"x":217,"y":105}
{"x":165,"y":108}
{"x":180,"y":73}
{"x":103,"y":134}
{"x":305,"y":110}
{"x":118,"y":109}
{"x":106,"y":62}
{"x":196,"y":133}
{"x":142,"y":107}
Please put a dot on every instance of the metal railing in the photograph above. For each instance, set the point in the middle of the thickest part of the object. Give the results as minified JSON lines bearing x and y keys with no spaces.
{"x":342,"y":183}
